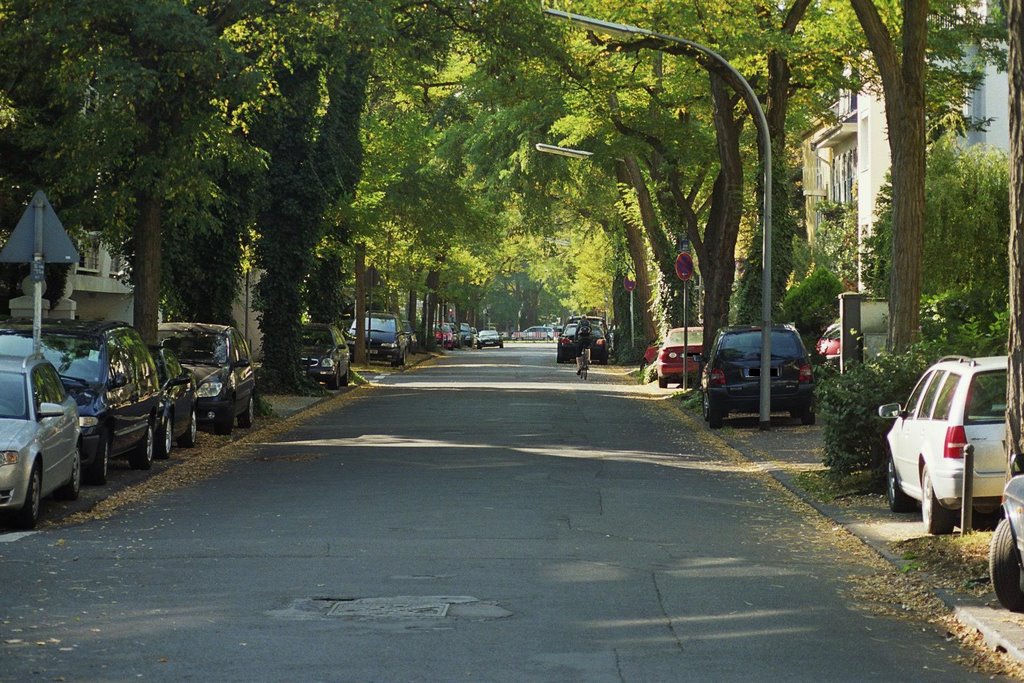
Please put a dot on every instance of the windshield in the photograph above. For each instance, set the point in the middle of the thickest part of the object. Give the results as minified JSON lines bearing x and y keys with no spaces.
{"x":197,"y":347}
{"x":75,"y":357}
{"x":377,"y":325}
{"x":13,"y":402}
{"x":315,"y":337}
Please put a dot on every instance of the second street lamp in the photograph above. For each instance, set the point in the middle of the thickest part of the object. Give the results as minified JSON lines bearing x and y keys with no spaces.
{"x":754,"y":105}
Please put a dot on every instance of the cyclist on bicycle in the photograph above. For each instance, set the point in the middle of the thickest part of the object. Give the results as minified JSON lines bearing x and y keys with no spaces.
{"x":584,"y":337}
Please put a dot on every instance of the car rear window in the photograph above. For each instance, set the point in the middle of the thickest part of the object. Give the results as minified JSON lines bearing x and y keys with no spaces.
{"x":747,"y":345}
{"x":986,"y":399}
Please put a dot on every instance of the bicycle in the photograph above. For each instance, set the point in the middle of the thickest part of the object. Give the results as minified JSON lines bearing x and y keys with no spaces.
{"x":583,"y":363}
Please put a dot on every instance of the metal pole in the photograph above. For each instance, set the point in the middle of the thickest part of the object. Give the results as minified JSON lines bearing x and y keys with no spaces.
{"x":686,"y":339}
{"x":632,"y":321}
{"x":967,"y":501}
{"x":37,"y":277}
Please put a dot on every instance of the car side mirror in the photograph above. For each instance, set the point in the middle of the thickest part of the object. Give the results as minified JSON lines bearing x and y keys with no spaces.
{"x":183,"y":378}
{"x":118,"y":380}
{"x":47,"y":409}
{"x":890,"y":411}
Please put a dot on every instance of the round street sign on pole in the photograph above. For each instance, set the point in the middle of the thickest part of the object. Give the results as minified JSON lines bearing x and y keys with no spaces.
{"x":628,"y":284}
{"x":684,"y":266}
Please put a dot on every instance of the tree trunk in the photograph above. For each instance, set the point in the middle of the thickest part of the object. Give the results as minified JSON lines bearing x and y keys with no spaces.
{"x":1015,"y":380}
{"x":146,"y":267}
{"x":902,"y":73}
{"x":360,"y":312}
{"x":717,"y":252}
{"x":638,"y":254}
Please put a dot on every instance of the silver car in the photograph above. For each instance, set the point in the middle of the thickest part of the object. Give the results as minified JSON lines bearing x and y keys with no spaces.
{"x":38,"y":438}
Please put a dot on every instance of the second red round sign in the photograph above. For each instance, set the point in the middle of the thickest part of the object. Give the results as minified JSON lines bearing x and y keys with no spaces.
{"x":684,"y":266}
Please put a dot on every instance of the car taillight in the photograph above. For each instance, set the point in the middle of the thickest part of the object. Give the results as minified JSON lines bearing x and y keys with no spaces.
{"x":716,"y":378}
{"x":806,"y":376}
{"x":565,"y":341}
{"x":956,"y":441}
{"x":600,"y":342}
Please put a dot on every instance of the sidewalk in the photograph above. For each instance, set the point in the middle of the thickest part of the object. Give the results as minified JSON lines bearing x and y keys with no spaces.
{"x":790,"y":448}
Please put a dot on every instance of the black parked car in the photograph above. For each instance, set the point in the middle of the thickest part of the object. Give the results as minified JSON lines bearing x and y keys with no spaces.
{"x":325,"y":354}
{"x":568,"y":344}
{"x":112,"y":375}
{"x":179,"y":420}
{"x":219,"y":358}
{"x":385,"y":338}
{"x":731,"y":378}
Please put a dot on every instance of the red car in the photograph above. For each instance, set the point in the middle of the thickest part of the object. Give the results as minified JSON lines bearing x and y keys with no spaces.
{"x":671,"y":357}
{"x":444,"y":335}
{"x":830,"y":343}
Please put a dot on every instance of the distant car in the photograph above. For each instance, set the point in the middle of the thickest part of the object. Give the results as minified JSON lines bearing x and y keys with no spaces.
{"x":670,"y":358}
{"x":444,"y":336}
{"x":112,"y":376}
{"x":489,"y":338}
{"x":958,"y":402}
{"x":325,"y":354}
{"x":568,"y":345}
{"x":829,"y":344}
{"x":179,"y":420}
{"x":414,"y":340}
{"x":38,"y":439}
{"x":385,"y":338}
{"x":731,"y":378}
{"x":466,"y":335}
{"x":538,"y":332}
{"x":219,"y":357}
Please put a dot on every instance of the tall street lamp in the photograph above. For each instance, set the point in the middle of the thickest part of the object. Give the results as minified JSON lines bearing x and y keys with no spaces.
{"x":627,"y":31}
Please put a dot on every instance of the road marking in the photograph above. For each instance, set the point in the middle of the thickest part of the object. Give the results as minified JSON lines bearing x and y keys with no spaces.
{"x":15,"y":536}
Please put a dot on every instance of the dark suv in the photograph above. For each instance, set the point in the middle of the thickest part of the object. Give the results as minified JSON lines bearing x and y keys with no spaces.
{"x":385,"y":338}
{"x":219,"y":357}
{"x":111,"y":374}
{"x":731,"y":378}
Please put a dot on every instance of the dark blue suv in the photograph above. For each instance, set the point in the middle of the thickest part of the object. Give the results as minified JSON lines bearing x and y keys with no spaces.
{"x":110,"y":372}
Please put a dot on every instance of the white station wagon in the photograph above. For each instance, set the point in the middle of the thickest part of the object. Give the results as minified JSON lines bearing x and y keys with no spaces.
{"x":958,"y":402}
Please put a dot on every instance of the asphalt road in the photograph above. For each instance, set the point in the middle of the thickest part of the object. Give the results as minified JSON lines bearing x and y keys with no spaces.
{"x":485,"y":517}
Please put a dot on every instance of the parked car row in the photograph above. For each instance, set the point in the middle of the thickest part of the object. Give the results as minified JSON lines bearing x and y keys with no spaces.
{"x":127,"y":399}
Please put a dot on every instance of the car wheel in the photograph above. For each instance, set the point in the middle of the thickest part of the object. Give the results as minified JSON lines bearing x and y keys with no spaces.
{"x":249,"y":416}
{"x":166,"y":438}
{"x":937,"y":519}
{"x":71,"y":488}
{"x":98,"y":468}
{"x":1004,"y":568}
{"x":335,"y":381}
{"x":344,"y":378}
{"x":898,"y":501}
{"x":807,"y":415}
{"x":713,"y":414}
{"x":188,"y":437}
{"x":141,"y":458}
{"x":662,"y":383}
{"x":28,"y":516}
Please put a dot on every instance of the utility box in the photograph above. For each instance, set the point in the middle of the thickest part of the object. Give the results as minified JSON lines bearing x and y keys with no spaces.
{"x":864,"y":328}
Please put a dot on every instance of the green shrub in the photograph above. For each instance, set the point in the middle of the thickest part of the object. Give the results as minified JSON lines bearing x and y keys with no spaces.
{"x":853,"y":434}
{"x":966,"y":322}
{"x":814,"y":303}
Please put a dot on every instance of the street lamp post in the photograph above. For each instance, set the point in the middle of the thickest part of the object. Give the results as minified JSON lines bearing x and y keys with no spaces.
{"x":754,"y":105}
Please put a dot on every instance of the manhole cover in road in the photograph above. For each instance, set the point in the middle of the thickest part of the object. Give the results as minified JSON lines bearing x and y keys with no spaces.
{"x":395,"y":608}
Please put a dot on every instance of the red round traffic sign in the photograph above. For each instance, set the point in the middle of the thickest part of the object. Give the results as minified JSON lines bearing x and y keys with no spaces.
{"x":630,"y":285}
{"x":684,"y":266}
